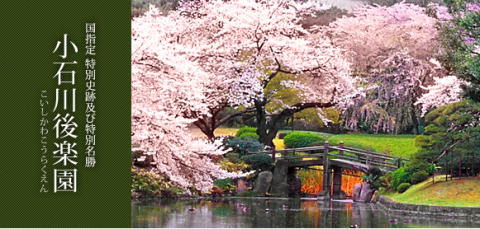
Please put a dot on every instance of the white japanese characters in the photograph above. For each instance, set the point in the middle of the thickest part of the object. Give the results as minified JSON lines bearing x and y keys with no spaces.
{"x":90,"y":95}
{"x":65,"y":155}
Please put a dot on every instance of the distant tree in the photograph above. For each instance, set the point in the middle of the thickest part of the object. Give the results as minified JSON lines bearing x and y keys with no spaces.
{"x":461,"y":40}
{"x":139,"y":7}
{"x":422,"y":3}
{"x":454,"y":129}
{"x":393,"y":51}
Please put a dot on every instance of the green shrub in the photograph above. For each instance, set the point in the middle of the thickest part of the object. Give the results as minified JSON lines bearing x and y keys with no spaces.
{"x":153,"y":185}
{"x":372,"y":177}
{"x":222,"y":183}
{"x":241,"y":146}
{"x":298,"y":139}
{"x":251,"y":135}
{"x":225,"y":185}
{"x":418,"y":177}
{"x":400,"y":176}
{"x":259,"y":161}
{"x":382,"y":190}
{"x":246,"y":129}
{"x":403,"y":187}
{"x":233,"y":157}
{"x":385,"y":181}
{"x":226,"y":164}
{"x":318,"y":143}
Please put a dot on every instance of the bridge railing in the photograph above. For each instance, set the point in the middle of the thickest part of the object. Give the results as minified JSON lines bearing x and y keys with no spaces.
{"x":343,"y":152}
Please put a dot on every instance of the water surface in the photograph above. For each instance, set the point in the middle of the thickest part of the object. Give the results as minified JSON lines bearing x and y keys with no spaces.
{"x":259,"y":212}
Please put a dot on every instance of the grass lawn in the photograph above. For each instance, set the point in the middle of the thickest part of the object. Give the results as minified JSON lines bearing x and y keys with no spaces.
{"x":225,"y":131}
{"x":463,"y":192}
{"x":395,"y":145}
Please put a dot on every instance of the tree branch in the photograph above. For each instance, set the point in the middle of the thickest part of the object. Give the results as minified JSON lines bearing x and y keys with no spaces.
{"x":226,"y":118}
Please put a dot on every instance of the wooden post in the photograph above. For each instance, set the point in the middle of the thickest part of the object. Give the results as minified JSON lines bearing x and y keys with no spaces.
{"x":340,"y":152}
{"x":399,"y":162}
{"x":433,"y":177}
{"x":326,"y":170}
{"x":337,"y":176}
{"x":337,"y":181}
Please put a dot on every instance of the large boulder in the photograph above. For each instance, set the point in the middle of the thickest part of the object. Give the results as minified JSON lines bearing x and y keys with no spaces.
{"x":280,"y":183}
{"x":366,"y":193}
{"x":362,"y":193}
{"x":356,"y":192}
{"x":263,"y":182}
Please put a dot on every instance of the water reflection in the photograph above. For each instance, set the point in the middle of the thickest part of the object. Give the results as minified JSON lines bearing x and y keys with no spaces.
{"x":272,"y":213}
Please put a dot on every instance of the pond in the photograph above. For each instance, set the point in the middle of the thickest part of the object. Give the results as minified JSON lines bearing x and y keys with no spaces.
{"x":262,"y":212}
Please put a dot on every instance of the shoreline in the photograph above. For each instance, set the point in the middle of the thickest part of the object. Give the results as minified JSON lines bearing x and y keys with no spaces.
{"x":427,"y":211}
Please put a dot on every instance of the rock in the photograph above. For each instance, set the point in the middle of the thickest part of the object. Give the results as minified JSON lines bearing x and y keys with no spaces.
{"x":366,"y":193}
{"x":374,"y":197}
{"x":241,"y":186}
{"x":279,"y":183}
{"x":263,"y":182}
{"x":362,"y":193}
{"x":356,"y":192}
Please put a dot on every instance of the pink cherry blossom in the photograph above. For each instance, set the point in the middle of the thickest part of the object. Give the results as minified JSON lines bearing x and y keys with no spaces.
{"x":445,"y":90}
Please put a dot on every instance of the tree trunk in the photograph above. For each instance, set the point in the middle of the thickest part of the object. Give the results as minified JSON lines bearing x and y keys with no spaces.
{"x":205,"y":126}
{"x":267,"y":130}
{"x":208,"y":124}
{"x":261,"y":119}
{"x":414,"y":120}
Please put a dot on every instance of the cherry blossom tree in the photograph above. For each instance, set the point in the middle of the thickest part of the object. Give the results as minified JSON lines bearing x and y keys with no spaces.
{"x":461,"y":40}
{"x":252,"y":43}
{"x":167,"y":88}
{"x":393,"y":50}
{"x":374,"y":31}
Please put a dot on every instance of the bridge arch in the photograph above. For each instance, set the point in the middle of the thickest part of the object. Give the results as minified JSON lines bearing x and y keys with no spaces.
{"x":333,"y":159}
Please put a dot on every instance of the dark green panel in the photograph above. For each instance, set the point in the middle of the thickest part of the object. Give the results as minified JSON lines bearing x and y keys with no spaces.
{"x":29,"y":34}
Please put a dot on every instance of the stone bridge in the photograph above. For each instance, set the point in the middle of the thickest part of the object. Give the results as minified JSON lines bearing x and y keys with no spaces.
{"x":333,"y":159}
